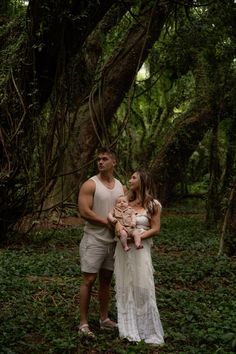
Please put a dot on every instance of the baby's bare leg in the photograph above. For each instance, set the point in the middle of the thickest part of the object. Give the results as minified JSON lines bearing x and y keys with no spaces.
{"x":137,"y":239}
{"x":123,"y":240}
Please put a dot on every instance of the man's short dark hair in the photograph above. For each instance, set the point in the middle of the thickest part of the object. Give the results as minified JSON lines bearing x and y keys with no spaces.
{"x":106,"y":150}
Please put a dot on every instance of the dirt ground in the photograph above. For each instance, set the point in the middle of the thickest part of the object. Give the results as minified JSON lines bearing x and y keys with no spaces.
{"x":69,"y":221}
{"x":56,"y":222}
{"x":29,"y":223}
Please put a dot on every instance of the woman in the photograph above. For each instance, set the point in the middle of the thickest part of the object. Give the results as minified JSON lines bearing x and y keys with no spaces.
{"x":138,"y":316}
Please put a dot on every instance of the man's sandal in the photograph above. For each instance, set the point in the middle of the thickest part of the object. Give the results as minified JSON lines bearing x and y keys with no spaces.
{"x":84,"y":331}
{"x":108,"y":324}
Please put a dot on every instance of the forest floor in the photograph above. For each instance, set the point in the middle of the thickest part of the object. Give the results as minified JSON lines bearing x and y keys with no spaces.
{"x":40,"y":281}
{"x":56,"y":221}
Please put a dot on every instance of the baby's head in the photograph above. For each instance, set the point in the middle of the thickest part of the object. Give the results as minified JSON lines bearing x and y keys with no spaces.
{"x":122,"y":202}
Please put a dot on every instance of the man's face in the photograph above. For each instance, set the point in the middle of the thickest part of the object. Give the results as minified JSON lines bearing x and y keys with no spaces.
{"x":105,"y":162}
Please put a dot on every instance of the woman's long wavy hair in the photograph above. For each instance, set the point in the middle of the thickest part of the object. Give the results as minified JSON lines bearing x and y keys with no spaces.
{"x":146,"y":191}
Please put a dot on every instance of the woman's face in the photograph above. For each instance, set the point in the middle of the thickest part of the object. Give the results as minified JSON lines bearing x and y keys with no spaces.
{"x":134,"y":182}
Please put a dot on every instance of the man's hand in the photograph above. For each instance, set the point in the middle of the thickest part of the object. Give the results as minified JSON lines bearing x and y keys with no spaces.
{"x":114,"y":221}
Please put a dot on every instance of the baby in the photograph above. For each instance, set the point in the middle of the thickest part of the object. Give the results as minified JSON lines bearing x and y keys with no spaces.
{"x":123,"y":214}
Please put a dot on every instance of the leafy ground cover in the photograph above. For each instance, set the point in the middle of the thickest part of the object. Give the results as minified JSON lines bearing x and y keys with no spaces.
{"x":39,"y":294}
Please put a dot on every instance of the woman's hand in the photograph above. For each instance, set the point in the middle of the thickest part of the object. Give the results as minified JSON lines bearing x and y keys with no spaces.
{"x":142,"y":234}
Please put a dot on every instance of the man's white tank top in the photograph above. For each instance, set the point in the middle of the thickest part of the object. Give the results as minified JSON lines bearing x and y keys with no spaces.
{"x":103,"y":202}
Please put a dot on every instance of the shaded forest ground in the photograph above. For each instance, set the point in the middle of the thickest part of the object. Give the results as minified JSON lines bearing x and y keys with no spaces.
{"x":69,"y":218}
{"x":39,"y":292}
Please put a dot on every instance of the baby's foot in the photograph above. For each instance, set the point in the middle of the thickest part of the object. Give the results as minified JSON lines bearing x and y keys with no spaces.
{"x":127,"y":248}
{"x":139,"y":247}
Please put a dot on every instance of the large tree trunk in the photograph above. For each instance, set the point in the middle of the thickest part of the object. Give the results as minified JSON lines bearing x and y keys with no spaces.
{"x":68,"y":98}
{"x":45,"y":48}
{"x":168,"y":167}
{"x":228,"y":231}
{"x":95,"y":115}
{"x":57,"y":32}
{"x":213,"y":214}
{"x":55,"y":35}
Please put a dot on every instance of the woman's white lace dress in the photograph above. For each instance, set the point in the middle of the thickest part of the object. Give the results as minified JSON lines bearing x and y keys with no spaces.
{"x":138,"y":315}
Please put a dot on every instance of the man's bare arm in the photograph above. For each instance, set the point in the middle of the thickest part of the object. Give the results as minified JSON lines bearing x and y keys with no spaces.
{"x":85,"y":204}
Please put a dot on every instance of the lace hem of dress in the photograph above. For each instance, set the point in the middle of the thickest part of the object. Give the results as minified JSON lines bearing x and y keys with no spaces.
{"x":139,"y":320}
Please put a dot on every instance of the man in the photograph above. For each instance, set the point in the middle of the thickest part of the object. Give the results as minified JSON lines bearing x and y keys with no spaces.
{"x":96,"y":198}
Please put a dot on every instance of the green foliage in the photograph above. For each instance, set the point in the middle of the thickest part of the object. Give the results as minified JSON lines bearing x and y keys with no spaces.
{"x":39,"y":292}
{"x":190,"y":68}
{"x":12,"y":8}
{"x":13,"y":39}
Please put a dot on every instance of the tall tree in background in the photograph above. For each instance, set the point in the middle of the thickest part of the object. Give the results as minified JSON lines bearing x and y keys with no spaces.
{"x":69,"y":83}
{"x":51,"y":93}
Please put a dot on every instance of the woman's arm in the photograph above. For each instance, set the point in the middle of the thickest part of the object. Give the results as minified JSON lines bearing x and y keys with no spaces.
{"x":133,"y":219}
{"x":155,"y":224}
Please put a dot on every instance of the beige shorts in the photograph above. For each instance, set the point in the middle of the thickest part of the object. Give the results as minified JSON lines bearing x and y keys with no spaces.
{"x":96,"y":255}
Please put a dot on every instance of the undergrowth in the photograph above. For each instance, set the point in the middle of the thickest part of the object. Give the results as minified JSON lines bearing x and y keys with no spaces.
{"x":39,"y":294}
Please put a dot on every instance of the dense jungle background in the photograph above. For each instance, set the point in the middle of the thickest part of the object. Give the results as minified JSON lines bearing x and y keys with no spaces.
{"x":154,"y":80}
